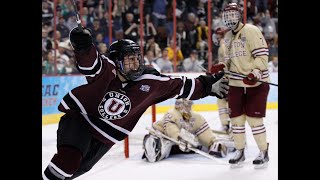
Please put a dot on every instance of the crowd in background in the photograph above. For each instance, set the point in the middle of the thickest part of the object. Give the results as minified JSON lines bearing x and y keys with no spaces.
{"x":192,"y":31}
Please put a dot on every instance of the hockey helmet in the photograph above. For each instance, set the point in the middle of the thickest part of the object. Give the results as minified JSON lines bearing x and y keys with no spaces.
{"x":184,"y":107}
{"x":127,"y":49}
{"x":232,"y":15}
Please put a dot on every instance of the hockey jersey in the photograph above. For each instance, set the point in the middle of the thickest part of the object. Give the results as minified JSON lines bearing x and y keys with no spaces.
{"x":172,"y":122}
{"x":246,"y":50}
{"x":112,"y":108}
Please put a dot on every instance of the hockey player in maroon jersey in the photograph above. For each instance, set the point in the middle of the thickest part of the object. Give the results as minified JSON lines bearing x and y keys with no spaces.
{"x":106,"y":109}
{"x":247,"y":56}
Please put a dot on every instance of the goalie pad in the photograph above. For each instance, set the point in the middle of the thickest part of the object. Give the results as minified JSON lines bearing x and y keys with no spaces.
{"x":156,"y":148}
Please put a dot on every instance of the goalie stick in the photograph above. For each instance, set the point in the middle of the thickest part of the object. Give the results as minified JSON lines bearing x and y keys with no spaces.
{"x":159,"y":134}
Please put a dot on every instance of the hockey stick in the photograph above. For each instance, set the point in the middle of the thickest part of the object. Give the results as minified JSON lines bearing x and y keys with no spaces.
{"x":238,"y":75}
{"x":77,"y":16}
{"x":152,"y":131}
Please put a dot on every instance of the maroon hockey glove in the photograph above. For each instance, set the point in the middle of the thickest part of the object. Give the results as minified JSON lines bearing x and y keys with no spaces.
{"x":216,"y":68}
{"x":252,"y":78}
{"x":80,"y":40}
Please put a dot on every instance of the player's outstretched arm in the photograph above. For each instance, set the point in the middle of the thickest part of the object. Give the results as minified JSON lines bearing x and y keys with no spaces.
{"x":215,"y":84}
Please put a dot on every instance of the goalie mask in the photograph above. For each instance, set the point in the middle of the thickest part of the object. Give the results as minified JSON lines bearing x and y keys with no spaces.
{"x":127,"y":57}
{"x":231,"y":15}
{"x":184,"y":107}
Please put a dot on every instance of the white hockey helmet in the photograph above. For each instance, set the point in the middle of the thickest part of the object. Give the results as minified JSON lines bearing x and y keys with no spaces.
{"x":232,"y":15}
{"x":184,"y":107}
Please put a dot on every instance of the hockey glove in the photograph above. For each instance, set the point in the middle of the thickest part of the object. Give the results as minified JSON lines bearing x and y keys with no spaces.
{"x":252,"y":77}
{"x":216,"y":68}
{"x":215,"y":85}
{"x":218,"y":150}
{"x":80,"y":40}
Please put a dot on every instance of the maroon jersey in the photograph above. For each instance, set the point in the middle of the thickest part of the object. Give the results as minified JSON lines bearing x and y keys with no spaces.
{"x":112,"y":108}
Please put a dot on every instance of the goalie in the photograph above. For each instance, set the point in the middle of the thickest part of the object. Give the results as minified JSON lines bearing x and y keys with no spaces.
{"x":187,"y":127}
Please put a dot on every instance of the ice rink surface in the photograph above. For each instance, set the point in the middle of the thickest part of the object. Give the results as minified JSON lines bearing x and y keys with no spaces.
{"x":177,"y":167}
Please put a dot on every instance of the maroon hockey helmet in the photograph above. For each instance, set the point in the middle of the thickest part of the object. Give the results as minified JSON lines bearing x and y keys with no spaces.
{"x":118,"y":50}
{"x":232,"y":15}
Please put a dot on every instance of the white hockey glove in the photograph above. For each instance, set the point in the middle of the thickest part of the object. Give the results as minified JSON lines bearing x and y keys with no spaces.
{"x":215,"y":84}
{"x":221,"y":88}
{"x":218,"y":150}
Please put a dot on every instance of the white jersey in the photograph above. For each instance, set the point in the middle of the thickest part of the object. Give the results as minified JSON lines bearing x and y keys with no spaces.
{"x":246,"y":50}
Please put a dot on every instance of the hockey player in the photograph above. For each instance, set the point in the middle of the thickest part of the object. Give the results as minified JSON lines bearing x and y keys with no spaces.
{"x":187,"y":127}
{"x":247,"y":55}
{"x":104,"y":111}
{"x":222,"y":103}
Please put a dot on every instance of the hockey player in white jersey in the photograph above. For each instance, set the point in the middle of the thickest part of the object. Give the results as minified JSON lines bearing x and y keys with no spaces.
{"x":186,"y":126}
{"x":223,"y":108}
{"x":247,"y":56}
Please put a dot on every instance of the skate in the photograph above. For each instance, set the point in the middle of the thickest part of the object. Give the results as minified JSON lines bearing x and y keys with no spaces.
{"x":262,"y":160}
{"x":238,"y":159}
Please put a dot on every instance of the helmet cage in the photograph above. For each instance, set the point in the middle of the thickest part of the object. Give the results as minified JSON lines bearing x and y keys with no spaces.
{"x":184,"y":106}
{"x":231,"y":15}
{"x":130,"y":74}
{"x":118,"y":50}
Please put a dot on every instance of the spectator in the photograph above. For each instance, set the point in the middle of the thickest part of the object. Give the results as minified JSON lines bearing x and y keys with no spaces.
{"x":192,"y":63}
{"x":102,"y":48}
{"x":273,"y":64}
{"x":153,"y":46}
{"x":63,"y":28}
{"x":149,"y":60}
{"x":47,"y":14}
{"x":171,"y":52}
{"x":164,"y":63}
{"x":202,"y":38}
{"x":131,"y":30}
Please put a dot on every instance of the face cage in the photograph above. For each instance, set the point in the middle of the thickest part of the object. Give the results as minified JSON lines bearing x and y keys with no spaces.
{"x":184,"y":107}
{"x":131,"y":74}
{"x":231,"y":18}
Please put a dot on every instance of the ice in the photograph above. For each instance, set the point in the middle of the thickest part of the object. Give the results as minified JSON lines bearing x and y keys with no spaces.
{"x":180,"y":167}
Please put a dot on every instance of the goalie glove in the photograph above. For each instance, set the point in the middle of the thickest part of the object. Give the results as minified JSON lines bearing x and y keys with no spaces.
{"x":252,"y":77}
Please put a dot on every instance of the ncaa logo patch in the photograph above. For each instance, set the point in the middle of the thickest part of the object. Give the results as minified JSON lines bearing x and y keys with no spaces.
{"x":114,"y":105}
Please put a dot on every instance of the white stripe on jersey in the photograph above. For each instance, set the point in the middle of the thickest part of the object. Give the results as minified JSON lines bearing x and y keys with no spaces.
{"x":94,"y":64}
{"x":193,"y":84}
{"x":110,"y":61}
{"x":44,"y":177}
{"x":184,"y":81}
{"x":154,"y":77}
{"x":92,"y":75}
{"x":99,"y":130}
{"x":64,"y":104}
{"x":78,"y":102}
{"x":59,"y":170}
{"x":116,"y":127}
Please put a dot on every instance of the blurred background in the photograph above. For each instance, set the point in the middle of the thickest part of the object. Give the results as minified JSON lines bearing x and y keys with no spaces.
{"x":175,"y":35}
